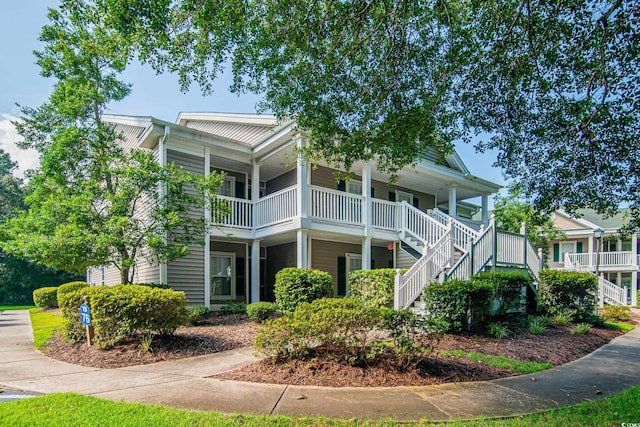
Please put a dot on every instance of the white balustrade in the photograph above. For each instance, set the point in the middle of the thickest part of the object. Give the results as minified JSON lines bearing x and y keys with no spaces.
{"x":276,"y":208}
{"x":510,"y":248}
{"x":613,"y":293}
{"x":240,"y":212}
{"x":420,"y":225}
{"x":607,"y":259}
{"x":334,"y":205}
{"x":385,"y":215}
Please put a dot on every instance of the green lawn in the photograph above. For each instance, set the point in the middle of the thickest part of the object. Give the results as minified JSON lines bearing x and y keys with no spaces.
{"x":499,"y":361}
{"x":624,"y":327}
{"x":68,"y":409}
{"x":16,"y":307}
{"x":43,"y":324}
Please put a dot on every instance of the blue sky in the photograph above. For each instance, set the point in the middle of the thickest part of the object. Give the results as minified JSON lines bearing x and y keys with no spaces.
{"x":152,"y":95}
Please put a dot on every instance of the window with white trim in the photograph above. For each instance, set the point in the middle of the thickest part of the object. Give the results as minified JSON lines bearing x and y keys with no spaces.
{"x":354,"y":187}
{"x":223,"y":275}
{"x":228,"y":187}
{"x":566,"y":248}
{"x":402,"y":196}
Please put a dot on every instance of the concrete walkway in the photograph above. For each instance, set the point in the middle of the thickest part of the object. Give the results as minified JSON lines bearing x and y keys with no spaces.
{"x":187,"y":384}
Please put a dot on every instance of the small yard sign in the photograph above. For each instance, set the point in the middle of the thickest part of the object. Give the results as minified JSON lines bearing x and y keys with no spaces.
{"x":85,"y":314}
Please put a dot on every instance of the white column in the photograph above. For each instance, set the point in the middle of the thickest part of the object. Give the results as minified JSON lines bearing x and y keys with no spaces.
{"x":302,"y":180}
{"x":591,"y":258}
{"x":634,"y":249}
{"x":207,"y":239}
{"x":485,"y":209}
{"x":453,"y":207}
{"x":255,"y":270}
{"x":366,"y":253}
{"x":302,"y":252}
{"x":162,"y":154}
{"x":367,"y":205}
{"x":634,"y":288}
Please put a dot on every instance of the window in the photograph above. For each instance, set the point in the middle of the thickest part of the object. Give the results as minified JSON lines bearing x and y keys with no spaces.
{"x":228,"y":186}
{"x":354,"y":262}
{"x":354,"y":187}
{"x":566,"y":248}
{"x":402,"y":196}
{"x":223,"y":275}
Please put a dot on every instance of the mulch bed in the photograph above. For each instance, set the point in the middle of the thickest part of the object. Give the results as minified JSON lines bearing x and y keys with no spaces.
{"x":221,"y":333}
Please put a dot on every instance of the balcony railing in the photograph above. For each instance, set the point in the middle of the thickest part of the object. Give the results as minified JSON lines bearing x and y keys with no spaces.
{"x":276,"y":208}
{"x":607,"y":259}
{"x":334,"y":205}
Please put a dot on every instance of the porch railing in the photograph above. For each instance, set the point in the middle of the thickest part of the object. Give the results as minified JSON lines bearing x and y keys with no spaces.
{"x":409,"y":286}
{"x":607,"y":259}
{"x":240,"y":212}
{"x":611,"y":293}
{"x":463,"y":233}
{"x":276,"y":208}
{"x":420,"y":225}
{"x":334,"y":205}
{"x":385,"y":215}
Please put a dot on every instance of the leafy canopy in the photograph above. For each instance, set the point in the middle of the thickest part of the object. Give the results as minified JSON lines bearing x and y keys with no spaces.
{"x":556,"y":84}
{"x":95,"y":202}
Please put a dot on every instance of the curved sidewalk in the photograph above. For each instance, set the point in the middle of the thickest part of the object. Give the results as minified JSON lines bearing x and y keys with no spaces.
{"x":187,"y":384}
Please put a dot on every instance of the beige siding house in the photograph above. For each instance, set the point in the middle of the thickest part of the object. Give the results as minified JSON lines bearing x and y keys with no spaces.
{"x":287,"y":213}
{"x":593,"y":243}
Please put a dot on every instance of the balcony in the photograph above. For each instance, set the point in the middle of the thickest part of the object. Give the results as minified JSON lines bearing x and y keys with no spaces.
{"x":328,"y":206}
{"x":609,"y":261}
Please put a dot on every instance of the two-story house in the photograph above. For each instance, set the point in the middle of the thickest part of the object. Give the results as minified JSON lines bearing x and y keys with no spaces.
{"x":286,"y":212}
{"x":593,"y":243}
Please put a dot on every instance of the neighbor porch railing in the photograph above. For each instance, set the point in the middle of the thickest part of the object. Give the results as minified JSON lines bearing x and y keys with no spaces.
{"x":607,"y":259}
{"x":611,"y":293}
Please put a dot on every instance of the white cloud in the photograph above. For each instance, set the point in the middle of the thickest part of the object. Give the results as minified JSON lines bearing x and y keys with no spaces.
{"x":27,"y":159}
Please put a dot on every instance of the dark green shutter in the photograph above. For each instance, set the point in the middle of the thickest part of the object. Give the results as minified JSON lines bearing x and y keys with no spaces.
{"x":342,"y":185}
{"x":415,"y":202}
{"x":579,"y":247}
{"x":392,"y":196}
{"x":342,"y":276}
{"x":373,"y":264}
{"x":373,"y":193}
{"x":239,"y":190}
{"x":556,"y":252}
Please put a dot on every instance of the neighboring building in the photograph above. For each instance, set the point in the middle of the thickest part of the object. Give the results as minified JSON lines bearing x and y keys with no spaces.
{"x":617,"y":259}
{"x":286,"y":213}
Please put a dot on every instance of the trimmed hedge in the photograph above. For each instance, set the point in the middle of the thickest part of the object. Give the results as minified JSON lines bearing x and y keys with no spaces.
{"x":66,"y":288}
{"x":567,"y":290}
{"x":508,"y":287}
{"x":196,"y":314}
{"x":261,"y":311}
{"x":373,"y":287}
{"x":123,"y":311}
{"x":460,"y":303}
{"x":46,"y":297}
{"x":297,"y":285}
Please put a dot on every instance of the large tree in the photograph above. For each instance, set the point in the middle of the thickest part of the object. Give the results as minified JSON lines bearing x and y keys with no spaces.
{"x":18,"y":277}
{"x":556,"y":83}
{"x":94,"y":202}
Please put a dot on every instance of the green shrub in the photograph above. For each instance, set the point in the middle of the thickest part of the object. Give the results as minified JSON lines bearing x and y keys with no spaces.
{"x":498,"y":330}
{"x":337,"y":325}
{"x":460,"y":303}
{"x":196,"y":314}
{"x":233,"y":308}
{"x":567,"y":290}
{"x":294,"y":286}
{"x":261,"y":311}
{"x":124,"y":311}
{"x":155,"y":285}
{"x":508,"y":289}
{"x":594,"y":320}
{"x":46,"y":297}
{"x":373,"y":287}
{"x":563,"y":317}
{"x":538,"y":325}
{"x":618,"y":313}
{"x":581,"y":329}
{"x":413,"y":336}
{"x":65,"y":288}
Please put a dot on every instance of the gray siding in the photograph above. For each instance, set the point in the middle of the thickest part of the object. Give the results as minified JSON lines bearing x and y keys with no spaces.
{"x":324,"y":256}
{"x":187,"y":273}
{"x":324,"y":177}
{"x":283,"y":181}
{"x":404,"y":260}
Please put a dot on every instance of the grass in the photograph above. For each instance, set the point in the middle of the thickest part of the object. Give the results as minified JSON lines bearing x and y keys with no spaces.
{"x":499,"y":361}
{"x":16,"y":307}
{"x":68,"y":409}
{"x":624,"y":327}
{"x":43,"y":323}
